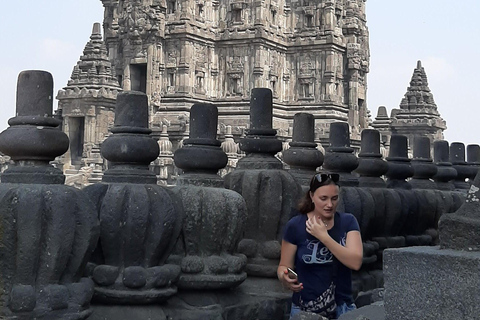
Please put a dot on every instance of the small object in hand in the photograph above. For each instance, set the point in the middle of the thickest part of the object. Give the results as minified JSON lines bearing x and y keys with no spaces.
{"x":292,"y":274}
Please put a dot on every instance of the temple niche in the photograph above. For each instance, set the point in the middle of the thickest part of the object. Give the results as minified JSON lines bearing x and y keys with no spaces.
{"x":313,"y":56}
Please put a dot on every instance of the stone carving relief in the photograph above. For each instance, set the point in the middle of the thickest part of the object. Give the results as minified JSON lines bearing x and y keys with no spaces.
{"x":139,"y":20}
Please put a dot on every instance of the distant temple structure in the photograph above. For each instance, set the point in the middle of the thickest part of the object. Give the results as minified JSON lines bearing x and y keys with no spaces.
{"x":418,"y":114}
{"x":313,"y":55}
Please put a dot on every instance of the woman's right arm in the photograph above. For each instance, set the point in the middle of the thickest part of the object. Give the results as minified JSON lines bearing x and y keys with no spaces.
{"x":287,"y":260}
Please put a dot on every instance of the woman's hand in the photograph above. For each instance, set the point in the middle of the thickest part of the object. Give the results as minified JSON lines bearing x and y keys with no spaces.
{"x":290,"y":283}
{"x":317,"y":228}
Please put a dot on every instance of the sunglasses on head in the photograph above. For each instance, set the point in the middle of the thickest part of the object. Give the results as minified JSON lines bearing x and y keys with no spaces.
{"x":322,"y":177}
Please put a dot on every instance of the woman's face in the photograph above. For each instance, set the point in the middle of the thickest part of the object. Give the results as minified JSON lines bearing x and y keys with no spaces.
{"x":325,"y":199}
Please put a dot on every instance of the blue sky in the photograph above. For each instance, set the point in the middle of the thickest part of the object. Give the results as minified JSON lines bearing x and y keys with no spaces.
{"x":51,"y":34}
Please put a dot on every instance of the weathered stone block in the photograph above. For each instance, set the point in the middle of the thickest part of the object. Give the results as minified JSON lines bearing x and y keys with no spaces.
{"x":429,"y":284}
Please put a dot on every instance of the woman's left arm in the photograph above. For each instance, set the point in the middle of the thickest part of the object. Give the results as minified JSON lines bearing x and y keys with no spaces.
{"x":351,"y":255}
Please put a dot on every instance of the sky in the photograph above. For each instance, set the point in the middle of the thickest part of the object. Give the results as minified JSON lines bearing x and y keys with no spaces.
{"x":51,"y":34}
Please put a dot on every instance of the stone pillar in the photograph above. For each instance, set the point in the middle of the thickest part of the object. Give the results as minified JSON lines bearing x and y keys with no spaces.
{"x":214,"y":216}
{"x":303,"y":157}
{"x":339,"y":157}
{"x":445,"y":172}
{"x":163,"y":165}
{"x":399,"y":166}
{"x":268,"y":209}
{"x":422,"y":163}
{"x":473,"y":160}
{"x":48,"y":230}
{"x":230,"y":147}
{"x":139,"y":221}
{"x":457,"y":158}
{"x":371,"y":166}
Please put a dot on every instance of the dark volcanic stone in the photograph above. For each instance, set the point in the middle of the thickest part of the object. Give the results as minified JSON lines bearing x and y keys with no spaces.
{"x":105,"y":275}
{"x":22,"y":298}
{"x":134,"y":277}
{"x":429,"y":284}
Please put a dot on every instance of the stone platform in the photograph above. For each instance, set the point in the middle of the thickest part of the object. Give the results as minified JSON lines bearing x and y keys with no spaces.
{"x":256,"y":298}
{"x":430,"y":283}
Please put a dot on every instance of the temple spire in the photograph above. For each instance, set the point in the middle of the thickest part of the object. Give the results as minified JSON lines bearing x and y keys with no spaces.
{"x":418,"y":95}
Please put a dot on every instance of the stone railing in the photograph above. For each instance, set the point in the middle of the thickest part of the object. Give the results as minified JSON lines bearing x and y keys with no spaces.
{"x":207,"y":233}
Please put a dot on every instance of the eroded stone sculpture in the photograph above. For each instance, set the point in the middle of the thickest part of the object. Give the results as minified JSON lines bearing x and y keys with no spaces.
{"x":47,"y":230}
{"x":214,"y":216}
{"x":139,"y":222}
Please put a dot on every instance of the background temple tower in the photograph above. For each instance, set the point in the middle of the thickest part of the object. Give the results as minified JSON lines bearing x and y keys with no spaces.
{"x":313,"y":55}
{"x":418,"y":114}
{"x":87,"y":105}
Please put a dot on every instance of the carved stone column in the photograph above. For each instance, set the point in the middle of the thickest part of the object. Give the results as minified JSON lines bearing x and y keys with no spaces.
{"x":214,"y":216}
{"x":139,"y":222}
{"x":47,"y":230}
{"x":269,"y":191}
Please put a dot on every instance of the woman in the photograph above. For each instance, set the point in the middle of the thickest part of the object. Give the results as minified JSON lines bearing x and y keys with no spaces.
{"x":322,"y":245}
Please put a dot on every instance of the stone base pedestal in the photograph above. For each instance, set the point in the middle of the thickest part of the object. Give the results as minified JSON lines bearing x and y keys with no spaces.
{"x":256,"y":298}
{"x":430,"y":283}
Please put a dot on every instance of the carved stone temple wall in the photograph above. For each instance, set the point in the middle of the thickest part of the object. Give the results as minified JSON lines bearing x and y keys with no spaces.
{"x":313,"y":55}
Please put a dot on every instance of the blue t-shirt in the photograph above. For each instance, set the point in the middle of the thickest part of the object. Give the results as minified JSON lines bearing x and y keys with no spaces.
{"x":315,"y":264}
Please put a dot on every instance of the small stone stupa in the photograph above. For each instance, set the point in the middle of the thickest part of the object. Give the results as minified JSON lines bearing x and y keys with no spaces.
{"x":418,"y":114}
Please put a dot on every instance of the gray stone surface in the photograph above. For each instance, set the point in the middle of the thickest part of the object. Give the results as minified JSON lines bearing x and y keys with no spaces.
{"x":461,"y":230}
{"x":429,"y":284}
{"x":256,"y":298}
{"x":375,"y":311}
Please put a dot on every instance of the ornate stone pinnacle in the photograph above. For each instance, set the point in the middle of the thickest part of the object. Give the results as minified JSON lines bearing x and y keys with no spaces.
{"x":130,"y":149}
{"x":33,"y":138}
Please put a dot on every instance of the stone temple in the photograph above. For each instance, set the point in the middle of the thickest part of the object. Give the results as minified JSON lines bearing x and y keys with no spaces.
{"x":313,"y":56}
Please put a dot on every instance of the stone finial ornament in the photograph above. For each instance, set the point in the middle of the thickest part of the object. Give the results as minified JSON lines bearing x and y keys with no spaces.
{"x":339,"y":157}
{"x":303,"y":157}
{"x":399,"y":166}
{"x":371,"y":166}
{"x":422,"y":163}
{"x":139,"y":222}
{"x":260,"y":142}
{"x":214,"y":216}
{"x":473,"y":160}
{"x":445,"y":172}
{"x":48,"y":230}
{"x":457,"y":158}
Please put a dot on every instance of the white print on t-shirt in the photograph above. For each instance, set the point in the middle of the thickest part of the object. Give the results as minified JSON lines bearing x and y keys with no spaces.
{"x":322,"y":255}
{"x":319,"y":255}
